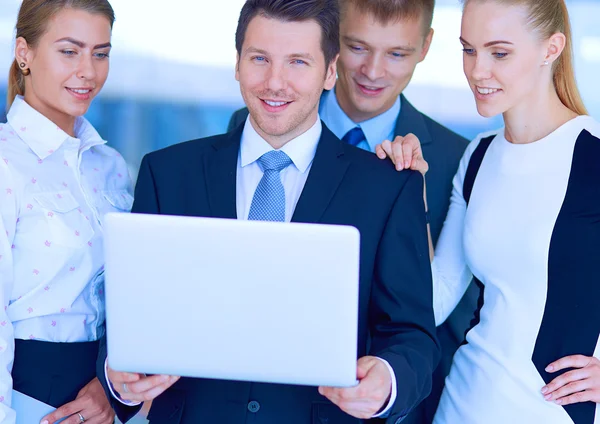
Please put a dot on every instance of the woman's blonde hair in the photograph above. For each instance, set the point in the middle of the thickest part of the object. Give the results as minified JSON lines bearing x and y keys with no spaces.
{"x":32,"y":21}
{"x":548,"y":17}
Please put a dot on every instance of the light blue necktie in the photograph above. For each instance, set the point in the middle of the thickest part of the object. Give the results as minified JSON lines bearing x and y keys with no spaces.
{"x":268,"y":203}
{"x":354,"y":137}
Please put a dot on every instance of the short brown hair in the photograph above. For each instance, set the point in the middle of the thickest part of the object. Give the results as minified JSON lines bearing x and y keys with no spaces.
{"x":325,"y":12}
{"x":386,"y":11}
{"x":32,"y":22}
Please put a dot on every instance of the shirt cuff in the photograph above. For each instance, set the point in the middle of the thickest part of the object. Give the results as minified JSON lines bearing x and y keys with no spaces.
{"x":386,"y":412}
{"x":112,"y":390}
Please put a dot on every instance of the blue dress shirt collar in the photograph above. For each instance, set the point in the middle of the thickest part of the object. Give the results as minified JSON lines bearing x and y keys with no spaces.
{"x":376,"y":129}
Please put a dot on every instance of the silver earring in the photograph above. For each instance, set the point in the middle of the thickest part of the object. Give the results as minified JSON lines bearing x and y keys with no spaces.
{"x":545,"y":63}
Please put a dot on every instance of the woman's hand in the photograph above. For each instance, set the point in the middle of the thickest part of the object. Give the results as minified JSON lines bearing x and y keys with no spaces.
{"x":405,"y":153}
{"x":582,"y":384}
{"x":90,"y":406}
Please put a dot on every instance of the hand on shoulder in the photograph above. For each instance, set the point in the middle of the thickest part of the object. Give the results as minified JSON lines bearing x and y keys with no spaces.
{"x":404,"y":152}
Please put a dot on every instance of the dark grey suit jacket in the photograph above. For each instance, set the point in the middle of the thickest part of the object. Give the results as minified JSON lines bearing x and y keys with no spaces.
{"x":443,"y":150}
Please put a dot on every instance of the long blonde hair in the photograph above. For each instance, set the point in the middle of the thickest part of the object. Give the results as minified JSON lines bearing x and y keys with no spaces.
{"x":31,"y":25}
{"x":548,"y":17}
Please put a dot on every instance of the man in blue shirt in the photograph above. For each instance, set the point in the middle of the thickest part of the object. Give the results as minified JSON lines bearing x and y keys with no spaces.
{"x":382,"y":41}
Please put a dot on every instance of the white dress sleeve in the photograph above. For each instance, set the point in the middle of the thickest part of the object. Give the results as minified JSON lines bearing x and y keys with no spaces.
{"x":451,"y":274}
{"x":8,"y":220}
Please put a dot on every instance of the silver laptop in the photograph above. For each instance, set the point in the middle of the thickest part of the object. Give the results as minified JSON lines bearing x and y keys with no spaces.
{"x":234,"y":300}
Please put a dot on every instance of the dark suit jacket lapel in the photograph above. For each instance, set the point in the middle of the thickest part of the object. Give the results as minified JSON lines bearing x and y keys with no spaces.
{"x":327,"y":171}
{"x":411,"y":120}
{"x":220,"y":174}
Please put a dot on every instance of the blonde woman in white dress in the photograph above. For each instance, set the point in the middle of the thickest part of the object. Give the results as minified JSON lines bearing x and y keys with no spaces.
{"x":524,"y":223}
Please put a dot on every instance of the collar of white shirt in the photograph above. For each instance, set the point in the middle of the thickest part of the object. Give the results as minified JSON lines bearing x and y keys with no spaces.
{"x":301,"y":150}
{"x":42,"y":135}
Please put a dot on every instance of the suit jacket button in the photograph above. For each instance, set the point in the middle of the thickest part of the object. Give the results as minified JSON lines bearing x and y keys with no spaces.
{"x":253,"y":406}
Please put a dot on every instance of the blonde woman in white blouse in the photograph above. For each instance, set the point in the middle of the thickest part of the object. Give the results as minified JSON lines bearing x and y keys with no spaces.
{"x":57,"y":181}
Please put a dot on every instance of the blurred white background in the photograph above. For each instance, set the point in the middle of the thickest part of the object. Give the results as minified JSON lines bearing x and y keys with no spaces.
{"x":172,"y":71}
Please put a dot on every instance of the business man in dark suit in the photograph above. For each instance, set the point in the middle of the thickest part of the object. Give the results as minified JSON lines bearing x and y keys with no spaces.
{"x":283,"y":164}
{"x":382,"y":41}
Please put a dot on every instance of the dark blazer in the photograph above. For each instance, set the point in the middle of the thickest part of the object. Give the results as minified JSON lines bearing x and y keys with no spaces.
{"x":443,"y":150}
{"x":198,"y":178}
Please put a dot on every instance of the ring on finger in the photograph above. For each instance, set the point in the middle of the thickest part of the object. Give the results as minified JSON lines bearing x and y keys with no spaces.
{"x":125,"y":389}
{"x":81,"y":419}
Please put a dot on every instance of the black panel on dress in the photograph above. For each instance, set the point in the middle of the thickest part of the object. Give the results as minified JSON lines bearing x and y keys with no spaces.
{"x":470,"y":175}
{"x":571,"y":321}
{"x":477,"y":313}
{"x":473,"y":168}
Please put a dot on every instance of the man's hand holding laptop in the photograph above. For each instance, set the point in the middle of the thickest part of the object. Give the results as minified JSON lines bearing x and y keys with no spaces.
{"x":370,"y":395}
{"x":362,"y":401}
{"x":134,"y":387}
